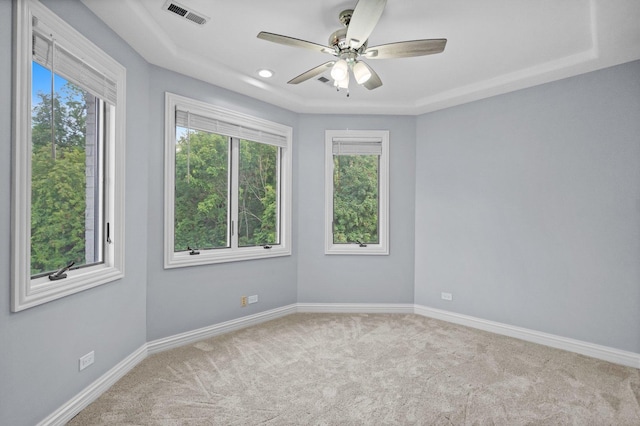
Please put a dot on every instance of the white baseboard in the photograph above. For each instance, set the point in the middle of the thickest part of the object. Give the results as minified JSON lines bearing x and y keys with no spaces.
{"x":357,"y":308}
{"x":66,"y":412}
{"x":76,"y":404}
{"x":217,"y":329}
{"x":605,"y":353}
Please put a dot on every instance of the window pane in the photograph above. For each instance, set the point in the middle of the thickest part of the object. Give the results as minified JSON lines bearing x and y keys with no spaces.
{"x":201,"y":190}
{"x":66,"y":197}
{"x":258,"y":194}
{"x":355,"y":199}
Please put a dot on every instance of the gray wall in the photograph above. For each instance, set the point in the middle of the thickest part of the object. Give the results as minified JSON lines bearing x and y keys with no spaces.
{"x":355,"y":279}
{"x":527,"y":208}
{"x":524,"y":206}
{"x":184,"y":299}
{"x":40,"y":347}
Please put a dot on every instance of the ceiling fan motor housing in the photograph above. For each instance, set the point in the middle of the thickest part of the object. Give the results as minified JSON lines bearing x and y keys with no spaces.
{"x":339,"y":40}
{"x":345,"y":17}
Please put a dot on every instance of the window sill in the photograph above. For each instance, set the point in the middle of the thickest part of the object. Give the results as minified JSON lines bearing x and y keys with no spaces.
{"x":42,"y":290}
{"x":206,"y":257}
{"x":355,"y":249}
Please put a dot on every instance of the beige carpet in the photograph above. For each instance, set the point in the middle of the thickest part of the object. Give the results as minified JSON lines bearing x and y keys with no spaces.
{"x":341,"y":369}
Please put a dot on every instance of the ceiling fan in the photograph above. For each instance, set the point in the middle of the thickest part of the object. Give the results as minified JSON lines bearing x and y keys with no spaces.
{"x":349,"y":45}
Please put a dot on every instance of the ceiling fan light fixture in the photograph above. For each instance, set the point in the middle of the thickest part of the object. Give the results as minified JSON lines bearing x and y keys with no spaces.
{"x":340,"y":70}
{"x":361,"y":72}
{"x":343,"y":83}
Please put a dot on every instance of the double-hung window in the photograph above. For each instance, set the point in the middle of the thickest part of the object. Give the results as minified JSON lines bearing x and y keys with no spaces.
{"x":356,"y":192}
{"x":68,"y":217}
{"x":227,"y":185}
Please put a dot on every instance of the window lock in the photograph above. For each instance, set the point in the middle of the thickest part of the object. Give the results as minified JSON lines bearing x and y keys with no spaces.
{"x":108,"y":234}
{"x":193,"y":251}
{"x":61,"y":273}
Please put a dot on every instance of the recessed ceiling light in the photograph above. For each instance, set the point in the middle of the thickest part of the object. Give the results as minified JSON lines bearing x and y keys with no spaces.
{"x":265,"y":73}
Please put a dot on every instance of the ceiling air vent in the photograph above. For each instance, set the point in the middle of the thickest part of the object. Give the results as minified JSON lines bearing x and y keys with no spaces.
{"x":182,"y":11}
{"x":326,"y":81}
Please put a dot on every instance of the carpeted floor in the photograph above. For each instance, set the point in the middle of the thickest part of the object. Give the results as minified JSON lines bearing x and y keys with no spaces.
{"x":348,"y":369}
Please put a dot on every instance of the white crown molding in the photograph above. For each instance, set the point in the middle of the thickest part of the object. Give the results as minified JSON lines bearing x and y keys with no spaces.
{"x":609,"y":31}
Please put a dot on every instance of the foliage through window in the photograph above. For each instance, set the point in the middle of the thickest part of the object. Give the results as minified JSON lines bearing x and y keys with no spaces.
{"x":68,"y":161}
{"x":202,"y":190}
{"x":355,"y":199}
{"x":258,"y":194}
{"x":227,"y":185}
{"x":66,"y":189}
{"x":356,"y":192}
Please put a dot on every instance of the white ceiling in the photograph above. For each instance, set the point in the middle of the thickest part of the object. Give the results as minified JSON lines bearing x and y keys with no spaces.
{"x":494,"y":46}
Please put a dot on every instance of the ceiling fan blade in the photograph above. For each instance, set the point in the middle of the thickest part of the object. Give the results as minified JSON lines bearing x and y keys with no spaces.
{"x":364,"y":19}
{"x":294,"y":42}
{"x":312,"y":73}
{"x":406,"y":49}
{"x":374,"y":81}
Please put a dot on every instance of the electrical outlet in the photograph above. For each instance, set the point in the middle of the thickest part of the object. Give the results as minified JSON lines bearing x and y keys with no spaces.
{"x":253,"y":299}
{"x":446,"y":296}
{"x":243,"y":301}
{"x":86,"y":360}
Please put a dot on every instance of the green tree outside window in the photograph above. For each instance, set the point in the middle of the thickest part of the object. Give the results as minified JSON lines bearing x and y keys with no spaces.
{"x":355,"y":199}
{"x":58,"y":179}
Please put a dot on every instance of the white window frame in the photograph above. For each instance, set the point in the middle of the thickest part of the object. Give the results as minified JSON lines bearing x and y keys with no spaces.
{"x":382,"y":247}
{"x":174,"y":259}
{"x":28,"y":292}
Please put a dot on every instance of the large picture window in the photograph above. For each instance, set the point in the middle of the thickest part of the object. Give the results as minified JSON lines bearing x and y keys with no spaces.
{"x":356,"y":198}
{"x":227,"y":185}
{"x":68,"y":161}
